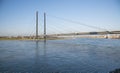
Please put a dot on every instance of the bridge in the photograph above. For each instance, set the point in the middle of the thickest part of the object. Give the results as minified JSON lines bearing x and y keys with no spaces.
{"x":63,"y":29}
{"x":102,"y":33}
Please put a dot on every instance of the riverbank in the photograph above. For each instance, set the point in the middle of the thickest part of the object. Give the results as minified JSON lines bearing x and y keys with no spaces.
{"x":55,"y":37}
{"x":105,"y":36}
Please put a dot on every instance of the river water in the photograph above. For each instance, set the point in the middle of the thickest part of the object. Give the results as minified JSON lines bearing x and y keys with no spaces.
{"x":60,"y":56}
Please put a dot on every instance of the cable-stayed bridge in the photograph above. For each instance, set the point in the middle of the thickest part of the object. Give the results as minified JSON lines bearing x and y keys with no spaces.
{"x":57,"y":27}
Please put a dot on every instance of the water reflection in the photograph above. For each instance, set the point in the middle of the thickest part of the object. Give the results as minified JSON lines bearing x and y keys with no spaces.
{"x":44,"y":48}
{"x":36,"y":52}
{"x":40,"y":56}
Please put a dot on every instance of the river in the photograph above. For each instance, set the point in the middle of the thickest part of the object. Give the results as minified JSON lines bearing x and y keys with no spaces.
{"x":82,"y":55}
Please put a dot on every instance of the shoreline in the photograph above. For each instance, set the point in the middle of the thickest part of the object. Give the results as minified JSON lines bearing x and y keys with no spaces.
{"x":57,"y":37}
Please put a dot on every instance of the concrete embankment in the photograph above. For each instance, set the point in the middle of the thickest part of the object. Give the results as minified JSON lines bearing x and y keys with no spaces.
{"x":109,"y":36}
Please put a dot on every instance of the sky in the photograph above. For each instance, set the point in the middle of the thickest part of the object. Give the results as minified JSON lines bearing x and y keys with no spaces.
{"x":17,"y":17}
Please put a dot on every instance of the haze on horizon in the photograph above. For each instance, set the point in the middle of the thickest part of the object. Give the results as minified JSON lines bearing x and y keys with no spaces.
{"x":17,"y":17}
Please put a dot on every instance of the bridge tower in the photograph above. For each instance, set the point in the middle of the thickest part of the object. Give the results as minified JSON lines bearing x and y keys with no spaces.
{"x":36,"y":24}
{"x":45,"y":26}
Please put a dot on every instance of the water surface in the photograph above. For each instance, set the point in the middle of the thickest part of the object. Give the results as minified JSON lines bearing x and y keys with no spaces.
{"x":60,"y":56}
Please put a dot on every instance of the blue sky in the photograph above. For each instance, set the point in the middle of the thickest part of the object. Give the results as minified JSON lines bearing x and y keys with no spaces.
{"x":17,"y":17}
